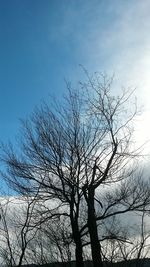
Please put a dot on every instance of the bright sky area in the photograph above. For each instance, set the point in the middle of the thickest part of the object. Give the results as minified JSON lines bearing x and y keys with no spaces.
{"x":43,"y":42}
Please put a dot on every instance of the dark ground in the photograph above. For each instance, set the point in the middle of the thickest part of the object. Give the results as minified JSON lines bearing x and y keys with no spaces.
{"x":131,"y":263}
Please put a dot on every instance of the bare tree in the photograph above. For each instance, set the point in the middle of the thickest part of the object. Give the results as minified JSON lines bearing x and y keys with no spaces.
{"x":81,"y":149}
{"x":52,"y":150}
{"x":6,"y":249}
{"x":16,"y":230}
{"x":52,"y":243}
{"x":140,"y":246}
{"x":60,"y":238}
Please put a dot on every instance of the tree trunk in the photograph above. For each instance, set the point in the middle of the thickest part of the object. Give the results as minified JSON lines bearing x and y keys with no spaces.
{"x":78,"y":243}
{"x":92,"y":226}
{"x":79,"y":257}
{"x":21,"y":257}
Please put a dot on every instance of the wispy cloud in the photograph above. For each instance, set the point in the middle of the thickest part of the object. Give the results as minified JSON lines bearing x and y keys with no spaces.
{"x":113,"y":37}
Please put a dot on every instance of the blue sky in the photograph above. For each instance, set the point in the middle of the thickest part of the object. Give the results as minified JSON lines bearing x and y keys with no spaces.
{"x":42,"y":42}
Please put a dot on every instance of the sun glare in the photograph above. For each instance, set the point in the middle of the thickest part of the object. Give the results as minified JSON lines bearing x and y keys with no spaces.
{"x":142,"y":131}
